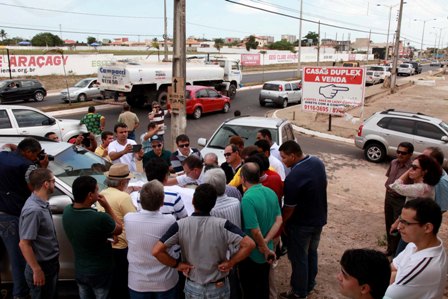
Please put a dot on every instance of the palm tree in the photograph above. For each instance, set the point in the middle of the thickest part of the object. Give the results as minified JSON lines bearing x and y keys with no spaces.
{"x":3,"y":34}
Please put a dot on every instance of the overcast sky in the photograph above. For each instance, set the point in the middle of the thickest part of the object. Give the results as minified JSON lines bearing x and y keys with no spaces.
{"x":142,"y":20}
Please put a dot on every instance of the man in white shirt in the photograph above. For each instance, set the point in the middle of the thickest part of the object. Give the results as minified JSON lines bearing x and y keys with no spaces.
{"x":420,"y":270}
{"x":263,"y":147}
{"x":192,"y":166}
{"x":121,"y":150}
{"x":265,"y":134}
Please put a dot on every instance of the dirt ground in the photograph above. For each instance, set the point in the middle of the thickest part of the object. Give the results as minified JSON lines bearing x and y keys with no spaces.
{"x":356,"y":187}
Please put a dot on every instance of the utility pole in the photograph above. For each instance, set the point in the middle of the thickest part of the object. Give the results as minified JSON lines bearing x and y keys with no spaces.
{"x":368,"y":46}
{"x":165,"y":33}
{"x":393,"y":77}
{"x":299,"y":62}
{"x":318,"y":43}
{"x":176,"y":93}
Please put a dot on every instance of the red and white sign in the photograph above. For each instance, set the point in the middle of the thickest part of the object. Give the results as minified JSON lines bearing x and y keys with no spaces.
{"x":332,"y":90}
{"x":250,"y":59}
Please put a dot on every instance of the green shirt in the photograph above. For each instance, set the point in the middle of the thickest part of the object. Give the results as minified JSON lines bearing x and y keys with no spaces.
{"x":92,"y":122}
{"x":88,"y":230}
{"x":259,"y":208}
{"x":166,"y":155}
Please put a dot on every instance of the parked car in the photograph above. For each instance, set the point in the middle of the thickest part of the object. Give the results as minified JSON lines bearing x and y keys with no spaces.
{"x":381,"y":133}
{"x":382,"y":70}
{"x":435,"y":63}
{"x":24,"y":120}
{"x":417,"y":67}
{"x":246,"y":127}
{"x":280,"y":93}
{"x":351,"y":64}
{"x":372,"y":77}
{"x":21,"y":90}
{"x":204,"y":99}
{"x":69,"y":163}
{"x":405,"y":69}
{"x":84,"y":90}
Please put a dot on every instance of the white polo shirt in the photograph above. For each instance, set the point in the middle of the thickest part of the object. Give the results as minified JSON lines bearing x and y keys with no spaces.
{"x":420,"y":274}
{"x":128,"y":159}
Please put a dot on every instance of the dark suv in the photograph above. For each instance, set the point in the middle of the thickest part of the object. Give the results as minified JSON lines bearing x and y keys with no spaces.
{"x":417,"y":67}
{"x":21,"y":90}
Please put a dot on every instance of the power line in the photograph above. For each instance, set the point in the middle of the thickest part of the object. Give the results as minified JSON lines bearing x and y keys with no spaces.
{"x":305,"y":20}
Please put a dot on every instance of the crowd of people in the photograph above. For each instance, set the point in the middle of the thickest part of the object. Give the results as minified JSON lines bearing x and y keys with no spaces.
{"x":197,"y":229}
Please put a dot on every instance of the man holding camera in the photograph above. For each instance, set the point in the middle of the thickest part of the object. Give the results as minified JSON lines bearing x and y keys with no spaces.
{"x":15,"y":168}
{"x":124,"y":150}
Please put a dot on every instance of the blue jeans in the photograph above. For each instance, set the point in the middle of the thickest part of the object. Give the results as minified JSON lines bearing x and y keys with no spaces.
{"x":9,"y":233}
{"x":302,"y":252}
{"x":195,"y":290}
{"x":94,"y":286}
{"x":170,"y":294}
{"x":131,"y":135}
{"x":47,"y":291}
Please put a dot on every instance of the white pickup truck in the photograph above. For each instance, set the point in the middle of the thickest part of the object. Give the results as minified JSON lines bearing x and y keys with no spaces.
{"x":143,"y":83}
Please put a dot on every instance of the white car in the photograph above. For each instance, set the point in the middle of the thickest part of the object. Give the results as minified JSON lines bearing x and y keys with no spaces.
{"x":23,"y":120}
{"x":281,"y":93}
{"x":405,"y":69}
{"x":246,"y":127}
{"x":382,"y":70}
{"x":84,"y":90}
{"x":372,"y":77}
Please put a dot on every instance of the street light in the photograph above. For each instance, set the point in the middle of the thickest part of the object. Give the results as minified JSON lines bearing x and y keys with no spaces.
{"x":440,"y":38}
{"x":423,"y":33}
{"x":388,"y":26}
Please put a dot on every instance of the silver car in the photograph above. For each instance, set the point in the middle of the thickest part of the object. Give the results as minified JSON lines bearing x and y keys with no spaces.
{"x":84,"y":90}
{"x":281,"y":93}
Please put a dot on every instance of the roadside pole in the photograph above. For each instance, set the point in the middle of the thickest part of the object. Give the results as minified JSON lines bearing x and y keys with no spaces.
{"x":393,"y":76}
{"x":176,"y":94}
{"x":299,"y":62}
{"x":318,"y":44}
{"x":165,"y":33}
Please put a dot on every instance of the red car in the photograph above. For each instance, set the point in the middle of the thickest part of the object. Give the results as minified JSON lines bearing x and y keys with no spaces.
{"x":204,"y":99}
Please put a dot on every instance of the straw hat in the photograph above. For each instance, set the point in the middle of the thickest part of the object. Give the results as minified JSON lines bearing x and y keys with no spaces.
{"x":119,"y":171}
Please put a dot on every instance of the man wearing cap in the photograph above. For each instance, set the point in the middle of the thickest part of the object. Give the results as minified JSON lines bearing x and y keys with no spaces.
{"x":130,"y":119}
{"x":117,"y":179}
{"x":157,"y":151}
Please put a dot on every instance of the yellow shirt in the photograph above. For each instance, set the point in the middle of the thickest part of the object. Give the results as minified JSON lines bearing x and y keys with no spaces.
{"x":236,"y":181}
{"x":99,"y":151}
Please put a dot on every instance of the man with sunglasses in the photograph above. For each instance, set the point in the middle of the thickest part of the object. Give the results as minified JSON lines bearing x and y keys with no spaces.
{"x":233,"y":161}
{"x":393,"y":202}
{"x":157,"y":116}
{"x":183,"y":151}
{"x":420,"y":270}
{"x":158,"y":151}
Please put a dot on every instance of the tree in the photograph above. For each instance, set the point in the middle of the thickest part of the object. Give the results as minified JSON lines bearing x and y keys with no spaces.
{"x":251,"y":43}
{"x":3,"y":34}
{"x":46,"y":39}
{"x":91,"y":40}
{"x":281,"y":45}
{"x":219,"y":43}
{"x":313,"y":36}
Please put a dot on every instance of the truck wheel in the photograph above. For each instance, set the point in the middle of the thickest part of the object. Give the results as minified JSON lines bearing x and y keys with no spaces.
{"x":197,"y":113}
{"x":226,"y":108}
{"x":162,"y":98}
{"x":231,"y":93}
{"x":375,"y":152}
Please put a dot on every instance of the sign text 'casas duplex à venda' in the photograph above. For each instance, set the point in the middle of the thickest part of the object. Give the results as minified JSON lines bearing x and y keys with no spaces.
{"x":332,"y":90}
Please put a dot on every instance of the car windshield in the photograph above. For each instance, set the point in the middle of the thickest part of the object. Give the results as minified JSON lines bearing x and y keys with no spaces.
{"x":3,"y":84}
{"x":83,"y":83}
{"x":249,"y":134}
{"x":444,"y":126}
{"x":376,"y":68}
{"x":270,"y":86}
{"x":76,"y":161}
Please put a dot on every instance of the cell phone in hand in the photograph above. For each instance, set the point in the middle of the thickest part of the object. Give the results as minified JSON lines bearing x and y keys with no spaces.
{"x":136,"y":148}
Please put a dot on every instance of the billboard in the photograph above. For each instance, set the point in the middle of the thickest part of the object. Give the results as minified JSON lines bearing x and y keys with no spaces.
{"x":332,"y":90}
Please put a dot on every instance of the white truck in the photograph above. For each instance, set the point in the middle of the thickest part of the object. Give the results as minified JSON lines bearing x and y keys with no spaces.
{"x":143,"y":83}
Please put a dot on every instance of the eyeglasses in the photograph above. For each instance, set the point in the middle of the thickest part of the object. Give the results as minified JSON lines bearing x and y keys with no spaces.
{"x":228,"y":154}
{"x":415,"y":167}
{"x":157,"y":107}
{"x":402,"y":153}
{"x":156,"y":145}
{"x":184,"y":145}
{"x":406,"y":223}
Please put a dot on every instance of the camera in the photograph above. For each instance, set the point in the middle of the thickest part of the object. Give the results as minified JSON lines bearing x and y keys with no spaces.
{"x":42,"y":154}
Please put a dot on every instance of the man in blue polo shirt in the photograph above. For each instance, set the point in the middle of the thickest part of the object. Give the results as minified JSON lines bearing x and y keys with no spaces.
{"x":304,"y":215}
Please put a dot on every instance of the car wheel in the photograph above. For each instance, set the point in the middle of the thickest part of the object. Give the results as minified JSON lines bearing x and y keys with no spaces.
{"x":284,"y":103}
{"x":82,"y":98}
{"x":197,"y":113}
{"x":262,"y":103}
{"x":375,"y":152}
{"x":231,"y":93}
{"x":226,"y":108}
{"x":162,"y":98}
{"x":38,"y":96}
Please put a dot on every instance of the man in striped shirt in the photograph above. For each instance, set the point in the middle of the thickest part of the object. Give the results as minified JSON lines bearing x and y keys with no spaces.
{"x":420,"y":270}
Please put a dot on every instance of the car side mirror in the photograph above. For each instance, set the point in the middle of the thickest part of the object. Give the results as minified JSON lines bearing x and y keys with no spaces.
{"x":202,"y":141}
{"x":444,"y":138}
{"x":58,"y":203}
{"x":49,"y":122}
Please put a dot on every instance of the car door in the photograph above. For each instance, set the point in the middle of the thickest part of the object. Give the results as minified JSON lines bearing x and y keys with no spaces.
{"x":290,"y":93}
{"x":215,"y":100}
{"x":6,"y":125}
{"x":11,"y":93}
{"x":25,"y":89}
{"x":93,"y":91}
{"x":426,"y":135}
{"x":31,"y":122}
{"x":297,"y":92}
{"x":394,"y":131}
{"x":203,"y":100}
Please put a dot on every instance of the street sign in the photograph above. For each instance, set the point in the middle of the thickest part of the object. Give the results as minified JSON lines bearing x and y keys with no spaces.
{"x":176,"y":94}
{"x":332,"y":90}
